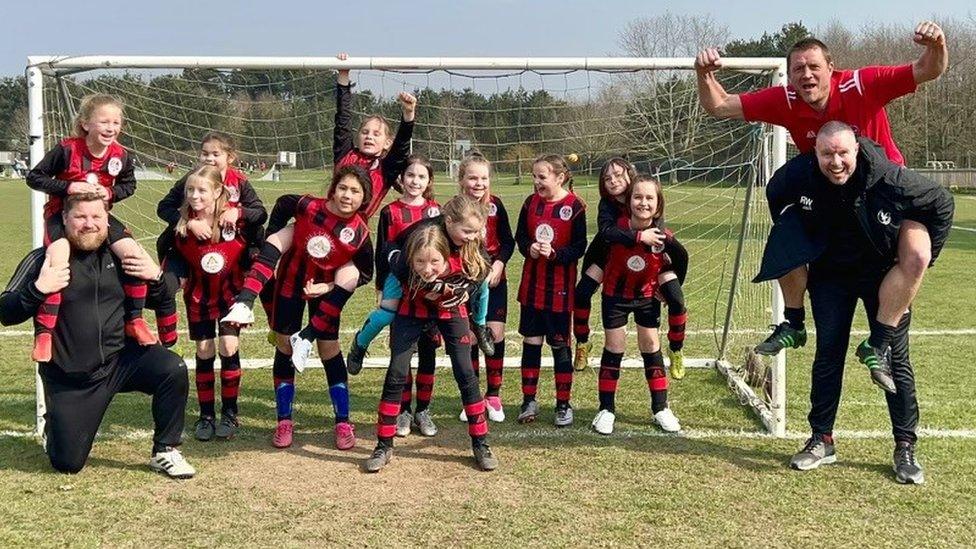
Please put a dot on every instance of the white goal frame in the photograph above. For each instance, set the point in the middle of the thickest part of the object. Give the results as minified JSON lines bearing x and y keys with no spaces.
{"x":772,"y":416}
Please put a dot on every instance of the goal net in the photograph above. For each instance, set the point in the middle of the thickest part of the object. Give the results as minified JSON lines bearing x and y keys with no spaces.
{"x":281,"y":111}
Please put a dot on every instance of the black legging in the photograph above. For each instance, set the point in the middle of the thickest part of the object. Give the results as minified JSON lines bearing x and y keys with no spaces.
{"x":833,"y":297}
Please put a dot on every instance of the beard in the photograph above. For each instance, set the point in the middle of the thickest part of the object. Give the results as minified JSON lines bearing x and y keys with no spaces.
{"x":87,"y":241}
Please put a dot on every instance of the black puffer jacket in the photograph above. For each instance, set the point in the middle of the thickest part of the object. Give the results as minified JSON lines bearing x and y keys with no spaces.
{"x":891,"y":194}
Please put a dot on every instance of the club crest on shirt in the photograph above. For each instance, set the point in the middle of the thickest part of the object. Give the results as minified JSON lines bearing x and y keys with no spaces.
{"x":636,"y":263}
{"x":884,"y":217}
{"x":228,"y":233}
{"x":319,"y":246}
{"x":565,"y":213}
{"x":212,"y":262}
{"x":433,"y":211}
{"x":91,"y":178}
{"x":658,"y":248}
{"x":492,"y":209}
{"x":233,"y":193}
{"x":544,"y":233}
{"x":347,"y":234}
{"x":114,"y":166}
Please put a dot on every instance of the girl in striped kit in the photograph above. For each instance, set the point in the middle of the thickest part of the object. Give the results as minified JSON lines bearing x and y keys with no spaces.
{"x":215,"y":273}
{"x":630,"y":281}
{"x":441,"y":264}
{"x":551,"y":234}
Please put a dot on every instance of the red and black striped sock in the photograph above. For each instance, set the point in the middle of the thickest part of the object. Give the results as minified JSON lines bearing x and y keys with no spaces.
{"x":676,"y":330}
{"x":426,"y":365}
{"x":325,"y":319}
{"x":582,"y":303}
{"x":230,"y":382}
{"x":563,"y":371}
{"x":609,"y":376}
{"x":531,"y":364}
{"x":47,"y":314}
{"x":261,"y":272}
{"x":166,"y":322}
{"x":135,"y":298}
{"x":406,"y":398}
{"x":494,"y":369}
{"x":477,"y":422}
{"x":386,"y":421}
{"x":657,"y":380}
{"x":205,"y":385}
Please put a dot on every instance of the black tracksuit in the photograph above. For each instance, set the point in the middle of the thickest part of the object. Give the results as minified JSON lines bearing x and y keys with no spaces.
{"x":92,"y":358}
{"x":851,"y":230}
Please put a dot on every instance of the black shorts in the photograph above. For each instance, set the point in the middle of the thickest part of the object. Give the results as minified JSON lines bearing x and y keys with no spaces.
{"x":596,"y":254}
{"x":647,"y":312}
{"x":537,"y":323}
{"x":288,"y":313}
{"x":209,"y":329}
{"x":54,"y":229}
{"x":498,"y":302}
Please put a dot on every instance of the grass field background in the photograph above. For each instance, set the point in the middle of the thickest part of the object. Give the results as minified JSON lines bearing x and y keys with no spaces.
{"x":721,"y":482}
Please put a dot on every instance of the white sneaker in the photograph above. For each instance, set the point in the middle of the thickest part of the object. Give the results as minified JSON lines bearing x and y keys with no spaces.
{"x":463,"y":416}
{"x":564,"y":416}
{"x":667,"y":421}
{"x":496,"y":412}
{"x":301,"y":349}
{"x":403,"y":424}
{"x":172,"y":463}
{"x":603,"y":422}
{"x":239,"y":314}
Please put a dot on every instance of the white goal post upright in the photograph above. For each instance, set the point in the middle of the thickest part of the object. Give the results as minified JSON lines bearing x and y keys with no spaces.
{"x":772,"y":413}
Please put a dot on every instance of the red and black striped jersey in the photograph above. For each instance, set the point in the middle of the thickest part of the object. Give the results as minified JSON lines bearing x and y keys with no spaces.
{"x":70,"y":161}
{"x":499,"y":242}
{"x":547,"y":282}
{"x":395,"y":218}
{"x":240,"y":194}
{"x":216,"y":273}
{"x":383,"y":171}
{"x":632,"y":269}
{"x":322,"y":243}
{"x":420,"y":303}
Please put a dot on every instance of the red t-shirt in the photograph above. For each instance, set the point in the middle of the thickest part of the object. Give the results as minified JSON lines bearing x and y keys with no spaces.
{"x":857,"y":97}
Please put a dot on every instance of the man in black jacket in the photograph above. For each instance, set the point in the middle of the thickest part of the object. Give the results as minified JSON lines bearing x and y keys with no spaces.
{"x":848,"y":202}
{"x":93,"y":360}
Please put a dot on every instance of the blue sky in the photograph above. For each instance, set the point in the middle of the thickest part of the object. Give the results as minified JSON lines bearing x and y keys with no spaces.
{"x":396,"y":28}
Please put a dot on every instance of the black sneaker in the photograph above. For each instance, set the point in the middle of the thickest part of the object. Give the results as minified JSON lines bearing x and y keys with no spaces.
{"x":228,"y":425}
{"x":483,"y":456}
{"x":879,"y":365}
{"x":783,"y":336}
{"x":486,"y":342}
{"x":354,"y":360}
{"x":382,"y":455}
{"x":816,"y":452}
{"x":907,"y":469}
{"x":203,"y":429}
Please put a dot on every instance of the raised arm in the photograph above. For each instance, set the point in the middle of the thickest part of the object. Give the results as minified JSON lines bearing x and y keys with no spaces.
{"x":934,"y":59}
{"x":712,"y":96}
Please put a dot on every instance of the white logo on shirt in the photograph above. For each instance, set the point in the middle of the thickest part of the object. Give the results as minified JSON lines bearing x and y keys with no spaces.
{"x":346,"y":235}
{"x":884,"y":217}
{"x":806,"y":203}
{"x":433,"y":211}
{"x":233,"y":193}
{"x":319,"y":246}
{"x":228,"y":234}
{"x":636,"y":263}
{"x":544,"y":234}
{"x":212,"y":263}
{"x":114,"y":166}
{"x":91,"y":179}
{"x":565,"y":213}
{"x":492,"y":209}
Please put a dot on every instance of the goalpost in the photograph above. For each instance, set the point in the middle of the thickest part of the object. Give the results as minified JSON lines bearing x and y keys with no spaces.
{"x":511,"y":110}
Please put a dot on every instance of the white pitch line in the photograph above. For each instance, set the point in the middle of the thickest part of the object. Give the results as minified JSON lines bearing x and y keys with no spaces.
{"x":967,"y":229}
{"x":531,"y":433}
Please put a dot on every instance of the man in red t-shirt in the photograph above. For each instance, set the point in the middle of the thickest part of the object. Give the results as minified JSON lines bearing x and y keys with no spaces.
{"x":817,"y":94}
